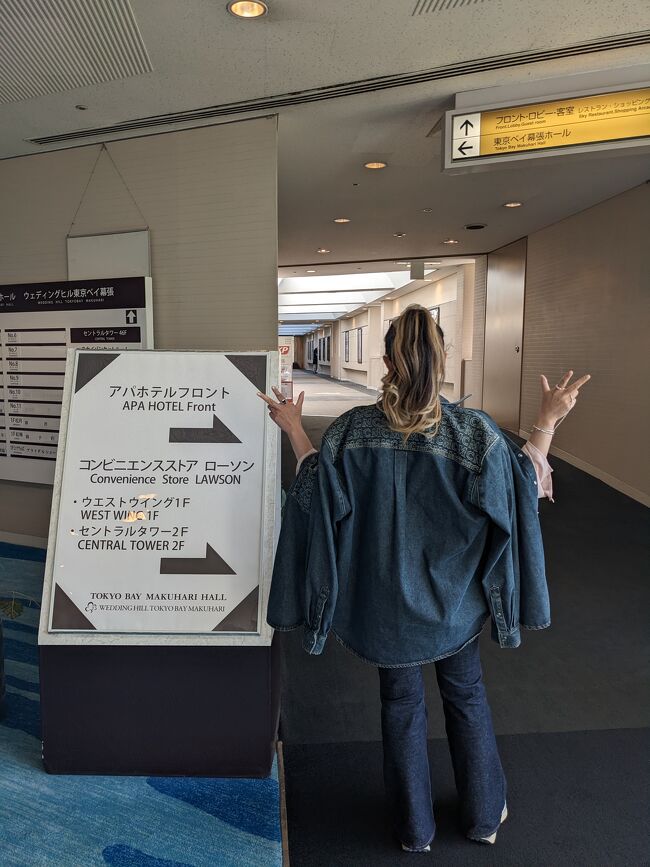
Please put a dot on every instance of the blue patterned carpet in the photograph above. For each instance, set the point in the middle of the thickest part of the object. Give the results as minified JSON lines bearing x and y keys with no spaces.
{"x":73,"y":821}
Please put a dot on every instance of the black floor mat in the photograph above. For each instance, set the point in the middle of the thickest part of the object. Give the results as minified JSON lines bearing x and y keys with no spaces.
{"x":587,"y":671}
{"x":576,"y":799}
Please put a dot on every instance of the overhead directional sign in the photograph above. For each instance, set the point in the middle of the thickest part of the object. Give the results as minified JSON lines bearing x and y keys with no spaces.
{"x":521,"y":130}
{"x":159,"y":521}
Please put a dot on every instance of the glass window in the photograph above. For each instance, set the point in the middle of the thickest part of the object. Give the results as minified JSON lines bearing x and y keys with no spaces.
{"x":346,"y":344}
{"x":359,"y":345}
{"x":329,"y":347}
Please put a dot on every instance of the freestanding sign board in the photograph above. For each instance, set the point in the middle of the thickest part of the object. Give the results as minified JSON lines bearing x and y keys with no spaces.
{"x":286,"y":350}
{"x":163,"y":521}
{"x":155,"y":655}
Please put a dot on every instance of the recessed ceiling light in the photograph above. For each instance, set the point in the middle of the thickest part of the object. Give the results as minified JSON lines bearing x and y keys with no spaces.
{"x":311,"y":270}
{"x":402,"y":263}
{"x":512,"y":205}
{"x":323,"y":250}
{"x":450,"y":241}
{"x":81,"y":107}
{"x":248,"y":8}
{"x":427,"y":210}
{"x":342,"y":220}
{"x":399,"y":234}
{"x":474,"y":226}
{"x":374,"y":165}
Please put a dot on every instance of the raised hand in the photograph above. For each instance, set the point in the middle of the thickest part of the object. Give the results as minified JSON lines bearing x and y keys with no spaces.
{"x":283,"y":411}
{"x":557,"y":402}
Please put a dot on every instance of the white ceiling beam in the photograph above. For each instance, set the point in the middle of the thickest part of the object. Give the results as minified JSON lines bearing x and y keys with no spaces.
{"x":344,"y":282}
{"x":311,"y":317}
{"x":316,"y":309}
{"x":330,"y":297}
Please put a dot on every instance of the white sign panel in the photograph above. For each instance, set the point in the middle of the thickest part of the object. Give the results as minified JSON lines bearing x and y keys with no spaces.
{"x":38,"y":323}
{"x":466,"y":136}
{"x":160,"y":525}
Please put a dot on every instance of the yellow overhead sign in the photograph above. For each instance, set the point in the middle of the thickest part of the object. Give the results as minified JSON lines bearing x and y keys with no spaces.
{"x":605,"y":117}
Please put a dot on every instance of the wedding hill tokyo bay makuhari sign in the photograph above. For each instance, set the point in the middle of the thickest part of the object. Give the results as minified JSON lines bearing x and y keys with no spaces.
{"x":39,"y":322}
{"x":165,"y":482}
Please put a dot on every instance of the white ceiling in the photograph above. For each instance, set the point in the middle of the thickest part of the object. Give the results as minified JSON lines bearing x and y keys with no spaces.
{"x":202,"y":56}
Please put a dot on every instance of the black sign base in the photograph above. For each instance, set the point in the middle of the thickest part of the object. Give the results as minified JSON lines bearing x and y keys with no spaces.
{"x":159,"y":711}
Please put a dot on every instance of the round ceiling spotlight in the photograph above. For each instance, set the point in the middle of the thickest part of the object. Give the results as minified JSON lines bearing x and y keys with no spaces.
{"x":248,"y":8}
{"x":323,"y":250}
{"x":427,"y":210}
{"x":512,"y":204}
{"x":399,"y":234}
{"x":450,"y":241}
{"x":473,"y":227}
{"x":311,"y":270}
{"x":374,"y":165}
{"x":81,"y":107}
{"x":342,"y":220}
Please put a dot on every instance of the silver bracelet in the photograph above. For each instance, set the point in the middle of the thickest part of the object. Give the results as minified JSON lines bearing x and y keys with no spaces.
{"x":544,"y":430}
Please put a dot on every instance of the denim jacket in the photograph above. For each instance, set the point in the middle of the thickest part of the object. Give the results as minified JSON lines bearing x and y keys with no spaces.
{"x":405,"y":548}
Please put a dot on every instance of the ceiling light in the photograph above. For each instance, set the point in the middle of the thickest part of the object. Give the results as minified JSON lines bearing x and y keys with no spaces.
{"x":512,"y":205}
{"x":323,"y":250}
{"x":374,"y":165}
{"x":433,"y":263}
{"x":474,"y":226}
{"x":81,"y":107}
{"x":248,"y":8}
{"x":427,"y":210}
{"x":311,"y":270}
{"x":342,"y":220}
{"x":399,"y":234}
{"x":450,"y":241}
{"x":402,"y":263}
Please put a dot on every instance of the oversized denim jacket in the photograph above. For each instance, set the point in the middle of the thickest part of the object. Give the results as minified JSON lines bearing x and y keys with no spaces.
{"x":405,"y":549}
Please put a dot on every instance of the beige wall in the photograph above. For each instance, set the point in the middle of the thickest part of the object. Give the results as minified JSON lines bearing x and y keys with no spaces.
{"x":587,"y":308}
{"x":208,"y":197}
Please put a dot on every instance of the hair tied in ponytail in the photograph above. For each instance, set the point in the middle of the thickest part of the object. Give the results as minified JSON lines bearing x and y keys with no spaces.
{"x":411,"y":387}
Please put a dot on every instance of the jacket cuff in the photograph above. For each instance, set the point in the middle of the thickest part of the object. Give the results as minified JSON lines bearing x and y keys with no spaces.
{"x":303,"y":458}
{"x":543,"y":471}
{"x":504,"y":637}
{"x":312,"y":642}
{"x":510,"y":639}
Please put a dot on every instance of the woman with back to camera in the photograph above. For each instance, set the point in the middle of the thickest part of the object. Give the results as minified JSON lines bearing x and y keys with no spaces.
{"x":415,"y":524}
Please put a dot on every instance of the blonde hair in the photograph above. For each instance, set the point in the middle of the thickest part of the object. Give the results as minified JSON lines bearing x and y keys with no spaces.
{"x":415,"y":347}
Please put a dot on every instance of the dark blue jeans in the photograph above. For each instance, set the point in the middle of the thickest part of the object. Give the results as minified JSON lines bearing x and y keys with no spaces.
{"x":479,"y":776}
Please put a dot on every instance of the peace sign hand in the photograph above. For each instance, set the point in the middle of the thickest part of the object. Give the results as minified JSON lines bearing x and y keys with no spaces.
{"x":558,"y":402}
{"x":283,"y":411}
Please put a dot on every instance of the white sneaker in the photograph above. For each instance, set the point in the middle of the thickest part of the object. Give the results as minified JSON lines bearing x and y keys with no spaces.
{"x":408,"y":848}
{"x":492,"y":838}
